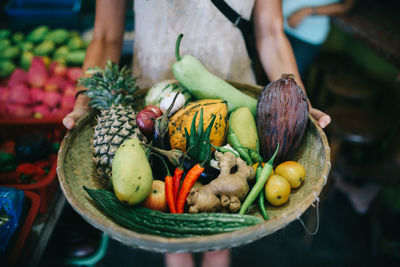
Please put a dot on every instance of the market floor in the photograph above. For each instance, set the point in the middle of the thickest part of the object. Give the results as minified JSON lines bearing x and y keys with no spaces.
{"x":345,"y":238}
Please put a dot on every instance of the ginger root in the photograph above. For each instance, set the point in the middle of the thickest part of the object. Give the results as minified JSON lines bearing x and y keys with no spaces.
{"x":227,"y":191}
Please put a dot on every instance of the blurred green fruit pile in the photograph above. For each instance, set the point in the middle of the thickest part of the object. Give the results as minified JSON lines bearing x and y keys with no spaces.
{"x":17,"y":49}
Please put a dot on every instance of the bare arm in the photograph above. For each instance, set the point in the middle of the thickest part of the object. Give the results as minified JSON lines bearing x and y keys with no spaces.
{"x":275,"y":51}
{"x":106,"y":45}
{"x":327,"y":10}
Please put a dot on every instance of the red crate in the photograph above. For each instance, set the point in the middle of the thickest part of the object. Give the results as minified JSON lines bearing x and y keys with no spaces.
{"x":11,"y":129}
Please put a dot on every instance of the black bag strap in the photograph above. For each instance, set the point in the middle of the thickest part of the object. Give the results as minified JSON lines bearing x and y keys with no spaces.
{"x":244,"y":25}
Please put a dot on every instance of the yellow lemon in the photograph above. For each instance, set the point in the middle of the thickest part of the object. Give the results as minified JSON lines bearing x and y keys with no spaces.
{"x":292,"y":171}
{"x":277,"y":190}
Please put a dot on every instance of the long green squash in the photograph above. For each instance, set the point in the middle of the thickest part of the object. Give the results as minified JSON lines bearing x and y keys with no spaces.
{"x":148,"y":221}
{"x":204,"y":85}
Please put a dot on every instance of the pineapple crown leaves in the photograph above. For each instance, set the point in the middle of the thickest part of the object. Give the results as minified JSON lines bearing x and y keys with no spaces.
{"x":111,"y":86}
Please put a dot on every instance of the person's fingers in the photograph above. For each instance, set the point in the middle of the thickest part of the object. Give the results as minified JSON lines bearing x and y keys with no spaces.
{"x":69,"y":121}
{"x":322,"y":118}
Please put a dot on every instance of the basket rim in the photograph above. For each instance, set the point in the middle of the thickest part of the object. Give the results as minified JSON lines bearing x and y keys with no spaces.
{"x":192,"y":244}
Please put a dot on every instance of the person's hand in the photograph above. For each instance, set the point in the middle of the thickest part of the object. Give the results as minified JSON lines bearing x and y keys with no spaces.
{"x":296,"y":17}
{"x":81,"y":108}
{"x":323,"y":119}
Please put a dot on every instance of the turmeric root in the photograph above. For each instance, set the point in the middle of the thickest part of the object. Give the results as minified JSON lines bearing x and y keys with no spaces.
{"x":227,"y":191}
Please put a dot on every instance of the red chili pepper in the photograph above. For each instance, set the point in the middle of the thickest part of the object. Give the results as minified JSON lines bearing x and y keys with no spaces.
{"x":176,"y":182}
{"x":190,"y":179}
{"x":169,"y":194}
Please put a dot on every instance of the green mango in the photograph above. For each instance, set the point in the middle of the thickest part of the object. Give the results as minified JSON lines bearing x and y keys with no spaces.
{"x":26,"y":46}
{"x":4,"y":43}
{"x":75,"y":43}
{"x":44,"y":49}
{"x":5,"y":33}
{"x":6,"y":68}
{"x":242,"y":122}
{"x":17,"y":37}
{"x":62,"y":51}
{"x":58,"y":36}
{"x":132,"y":177}
{"x":10,"y":52}
{"x":26,"y":59}
{"x":75,"y":57}
{"x":38,"y":34}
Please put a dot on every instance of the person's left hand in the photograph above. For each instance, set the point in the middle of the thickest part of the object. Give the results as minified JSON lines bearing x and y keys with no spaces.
{"x":323,"y":119}
{"x":296,"y":17}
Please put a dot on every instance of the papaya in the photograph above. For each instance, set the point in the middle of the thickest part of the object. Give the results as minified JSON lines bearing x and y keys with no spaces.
{"x":132,"y":177}
{"x":183,"y":118}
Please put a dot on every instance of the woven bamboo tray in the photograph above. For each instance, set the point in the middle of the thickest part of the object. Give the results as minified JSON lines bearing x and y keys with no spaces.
{"x":76,"y":169}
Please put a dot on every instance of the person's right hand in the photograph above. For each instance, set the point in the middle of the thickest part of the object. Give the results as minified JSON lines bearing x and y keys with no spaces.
{"x":81,"y":108}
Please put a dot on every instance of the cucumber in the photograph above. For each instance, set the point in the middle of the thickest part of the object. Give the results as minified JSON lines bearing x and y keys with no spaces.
{"x":148,"y":221}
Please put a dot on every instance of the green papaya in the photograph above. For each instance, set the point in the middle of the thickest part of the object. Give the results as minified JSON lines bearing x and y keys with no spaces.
{"x":242,"y":122}
{"x":38,"y":34}
{"x":132,"y":177}
{"x":6,"y":68}
{"x":44,"y":49}
{"x":58,"y":36}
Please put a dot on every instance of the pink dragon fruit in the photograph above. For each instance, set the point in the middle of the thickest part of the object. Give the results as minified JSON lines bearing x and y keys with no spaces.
{"x":63,"y":83}
{"x":19,"y":94}
{"x":41,"y":111}
{"x":37,"y":73}
{"x":52,"y":99}
{"x":19,"y":76}
{"x":74,"y":73}
{"x":58,"y":69}
{"x":70,"y":90}
{"x":52,"y":84}
{"x":19,"y":111}
{"x":36,"y":95}
{"x":67,"y":102}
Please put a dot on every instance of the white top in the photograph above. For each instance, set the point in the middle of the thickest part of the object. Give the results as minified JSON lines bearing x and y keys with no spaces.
{"x":208,"y":35}
{"x":312,"y":29}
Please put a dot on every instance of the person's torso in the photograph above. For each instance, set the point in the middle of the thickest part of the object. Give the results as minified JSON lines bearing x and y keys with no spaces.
{"x":208,"y":36}
{"x":312,"y":29}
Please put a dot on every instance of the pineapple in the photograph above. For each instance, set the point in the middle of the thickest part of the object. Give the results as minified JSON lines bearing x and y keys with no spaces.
{"x":111,"y":91}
